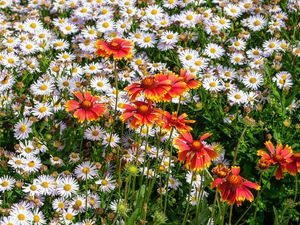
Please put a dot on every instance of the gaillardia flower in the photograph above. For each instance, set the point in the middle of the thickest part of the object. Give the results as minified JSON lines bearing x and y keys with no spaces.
{"x":196,"y":153}
{"x":118,"y":48}
{"x":178,"y":86}
{"x":281,"y":156}
{"x":294,"y":166}
{"x":234,"y":188}
{"x":189,"y":79}
{"x":154,"y":88}
{"x":140,"y":113}
{"x":166,"y":121}
{"x":86,"y":107}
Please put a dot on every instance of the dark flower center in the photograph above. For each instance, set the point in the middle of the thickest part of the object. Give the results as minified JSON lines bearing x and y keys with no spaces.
{"x":148,"y":82}
{"x":86,"y":104}
{"x":114,"y":45}
{"x":234,"y":179}
{"x":196,"y":145}
{"x":143,"y":109}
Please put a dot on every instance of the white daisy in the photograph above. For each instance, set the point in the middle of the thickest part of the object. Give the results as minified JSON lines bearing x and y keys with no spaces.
{"x":85,"y":170}
{"x":213,"y":84}
{"x":6,"y":183}
{"x":23,"y":128}
{"x":67,"y":186}
{"x":214,"y":51}
{"x":256,"y":23}
{"x":237,"y":97}
{"x":283,"y":80}
{"x":111,"y":140}
{"x":106,"y":184}
{"x":42,"y":87}
{"x":42,"y":110}
{"x":94,"y":133}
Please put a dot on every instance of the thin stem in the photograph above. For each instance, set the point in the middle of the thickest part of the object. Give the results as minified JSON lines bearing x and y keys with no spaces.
{"x":257,"y":197}
{"x":214,"y":205}
{"x":119,"y":171}
{"x":230,"y":215}
{"x":296,"y":188}
{"x":223,"y":214}
{"x":117,"y":90}
{"x":86,"y":195}
{"x":238,"y":145}
{"x":188,"y":202}
{"x":242,"y":216}
{"x":127,"y":187}
{"x":199,"y":197}
{"x":116,"y":102}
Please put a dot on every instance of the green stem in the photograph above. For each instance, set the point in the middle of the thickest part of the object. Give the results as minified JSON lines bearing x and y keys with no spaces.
{"x":257,"y":197}
{"x":214,"y":205}
{"x":127,"y":189}
{"x":238,"y":145}
{"x":296,"y":188}
{"x":223,"y":214}
{"x":86,"y":195}
{"x":188,"y":202}
{"x":116,"y":102}
{"x":199,"y":197}
{"x":252,"y":203}
{"x":119,"y":171}
{"x":230,"y":215}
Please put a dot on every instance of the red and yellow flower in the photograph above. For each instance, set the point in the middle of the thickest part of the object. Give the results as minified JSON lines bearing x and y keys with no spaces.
{"x":234,"y":188}
{"x":189,"y":79}
{"x":166,"y":121}
{"x":154,"y":88}
{"x":178,"y":86}
{"x":140,"y":113}
{"x":86,"y":107}
{"x":294,"y":166}
{"x":118,"y":48}
{"x":196,"y":153}
{"x":279,"y":156}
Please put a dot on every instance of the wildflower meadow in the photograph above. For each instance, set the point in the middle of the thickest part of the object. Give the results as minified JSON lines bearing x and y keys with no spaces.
{"x":149,"y":112}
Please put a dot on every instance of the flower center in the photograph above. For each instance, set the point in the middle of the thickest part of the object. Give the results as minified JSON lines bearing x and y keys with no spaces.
{"x":234,"y":179}
{"x":4,"y":184}
{"x":114,"y":45}
{"x":257,"y":23}
{"x":95,"y":133}
{"x":61,"y":205}
{"x":148,"y":82}
{"x":31,"y":164}
{"x":67,"y":187}
{"x":143,"y":109}
{"x":213,"y":50}
{"x":36,"y":218}
{"x":86,"y":170}
{"x":33,"y":188}
{"x":69,"y":216}
{"x":43,"y":109}
{"x":86,"y":104}
{"x":23,"y":128}
{"x":78,"y":203}
{"x":252,"y":80}
{"x":45,"y":184}
{"x":212,"y":84}
{"x":21,"y":217}
{"x":104,"y":182}
{"x":237,"y":96}
{"x":196,"y":144}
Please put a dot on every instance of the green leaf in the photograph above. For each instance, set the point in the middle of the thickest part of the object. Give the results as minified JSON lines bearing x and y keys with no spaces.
{"x":202,"y":218}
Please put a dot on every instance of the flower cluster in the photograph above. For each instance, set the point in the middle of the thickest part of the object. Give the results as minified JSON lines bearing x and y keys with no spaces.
{"x":283,"y":157}
{"x":100,"y":101}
